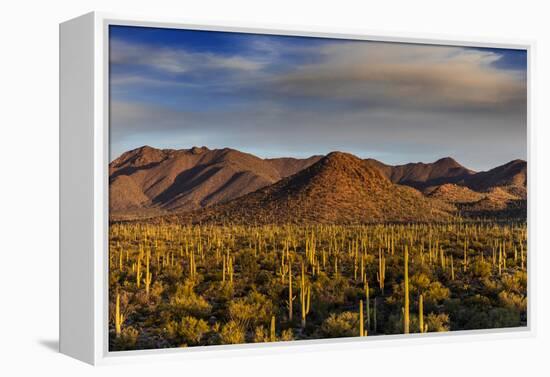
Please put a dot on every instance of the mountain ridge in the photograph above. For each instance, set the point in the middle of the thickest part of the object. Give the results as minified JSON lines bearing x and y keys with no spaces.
{"x":338,"y":189}
{"x":148,"y":182}
{"x":189,"y":179}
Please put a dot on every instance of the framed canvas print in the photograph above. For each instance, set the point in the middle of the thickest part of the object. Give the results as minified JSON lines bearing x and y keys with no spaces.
{"x":227,"y":189}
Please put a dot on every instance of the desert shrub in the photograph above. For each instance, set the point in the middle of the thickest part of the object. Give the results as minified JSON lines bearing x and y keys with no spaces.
{"x":232,"y":333}
{"x":172,"y":274}
{"x":329,"y":291}
{"x":478,"y":302}
{"x":186,"y":302}
{"x":261,"y":335}
{"x":514,"y":283}
{"x":127,"y":339}
{"x":248,"y":263}
{"x":252,"y":310}
{"x":220,"y":291}
{"x":192,"y":330}
{"x":481,"y":269}
{"x":419,"y":282}
{"x":341,"y":325}
{"x":437,"y":322}
{"x":513,"y":301}
{"x":171,"y":330}
{"x":263,"y":277}
{"x":436,"y":293}
{"x":287,"y":335}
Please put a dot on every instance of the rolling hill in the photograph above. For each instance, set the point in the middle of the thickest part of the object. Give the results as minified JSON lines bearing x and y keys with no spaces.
{"x":155,"y":181}
{"x":421,"y":175}
{"x":338,"y":189}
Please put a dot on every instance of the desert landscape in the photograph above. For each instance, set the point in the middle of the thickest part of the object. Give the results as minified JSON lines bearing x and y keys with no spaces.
{"x":271,"y":188}
{"x":218,"y":246}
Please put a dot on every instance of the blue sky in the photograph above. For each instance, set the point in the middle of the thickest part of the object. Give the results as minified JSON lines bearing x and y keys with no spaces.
{"x":295,"y":96}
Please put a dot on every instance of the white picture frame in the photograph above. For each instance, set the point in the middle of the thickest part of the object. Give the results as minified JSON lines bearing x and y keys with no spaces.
{"x":84,"y":159}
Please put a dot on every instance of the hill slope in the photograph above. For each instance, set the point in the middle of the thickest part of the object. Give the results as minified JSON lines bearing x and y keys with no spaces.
{"x":339,"y":189}
{"x":146,"y":178}
{"x":421,"y":175}
{"x":512,"y":174}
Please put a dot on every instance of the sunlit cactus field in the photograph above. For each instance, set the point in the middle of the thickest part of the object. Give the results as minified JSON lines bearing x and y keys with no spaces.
{"x":173,"y":285}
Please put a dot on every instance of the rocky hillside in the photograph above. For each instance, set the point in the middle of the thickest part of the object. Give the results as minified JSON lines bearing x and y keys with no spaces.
{"x":156,"y":181}
{"x":338,"y":189}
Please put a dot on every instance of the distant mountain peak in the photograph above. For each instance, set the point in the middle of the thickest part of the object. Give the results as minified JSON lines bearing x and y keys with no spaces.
{"x":198,"y":150}
{"x":447,"y":161}
{"x":337,"y":158}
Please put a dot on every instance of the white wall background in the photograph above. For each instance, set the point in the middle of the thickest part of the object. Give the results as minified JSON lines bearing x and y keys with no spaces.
{"x":29,"y":182}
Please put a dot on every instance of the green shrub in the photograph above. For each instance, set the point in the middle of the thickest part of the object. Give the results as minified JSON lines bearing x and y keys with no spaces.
{"x":437,"y":322}
{"x":186,"y":302}
{"x":127,"y":340}
{"x":232,"y":333}
{"x":191,"y":330}
{"x":481,"y":269}
{"x":341,"y":325}
{"x":251,"y":311}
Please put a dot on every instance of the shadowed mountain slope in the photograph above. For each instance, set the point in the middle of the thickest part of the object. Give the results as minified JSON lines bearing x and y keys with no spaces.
{"x":512,"y":174}
{"x":500,"y":192}
{"x":287,"y":166}
{"x":421,"y":175}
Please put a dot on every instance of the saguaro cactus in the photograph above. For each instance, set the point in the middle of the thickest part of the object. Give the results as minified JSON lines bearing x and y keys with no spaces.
{"x":192,"y":266}
{"x":230,"y":270}
{"x":375,"y":323}
{"x":148,"y":275}
{"x":223,"y":268}
{"x":138,"y":273}
{"x":406,"y":306}
{"x":305,"y":296}
{"x":452,"y":269}
{"x":119,"y":318}
{"x":290,"y":297}
{"x":272,"y":336}
{"x":367,"y":298}
{"x":361,"y":320}
{"x":465,"y":258}
{"x":381,"y":274}
{"x":423,"y":328}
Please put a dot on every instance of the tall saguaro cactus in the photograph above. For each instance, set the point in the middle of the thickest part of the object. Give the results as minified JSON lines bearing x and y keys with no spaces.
{"x":452,"y":269}
{"x":119,"y":318}
{"x":272,"y":336}
{"x":290,"y":297}
{"x":423,"y":328}
{"x":148,"y":275}
{"x":138,"y":273}
{"x":361,"y":320}
{"x":381,"y":274}
{"x":305,"y":297}
{"x":367,"y":299}
{"x":406,"y":306}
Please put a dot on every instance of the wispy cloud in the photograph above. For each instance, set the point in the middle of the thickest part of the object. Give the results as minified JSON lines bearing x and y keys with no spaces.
{"x":177,"y":60}
{"x":274,"y":96}
{"x":397,"y":76}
